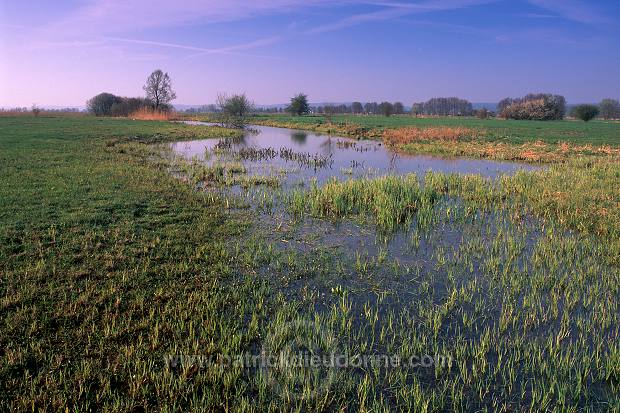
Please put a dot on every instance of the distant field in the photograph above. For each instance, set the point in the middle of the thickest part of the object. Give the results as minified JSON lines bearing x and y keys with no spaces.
{"x":512,"y":131}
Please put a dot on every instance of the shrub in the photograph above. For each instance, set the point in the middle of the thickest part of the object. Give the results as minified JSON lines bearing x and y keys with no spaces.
{"x":128,"y":106}
{"x":534,"y":107}
{"x":107,"y":104}
{"x":585,"y":112}
{"x":235,"y":109}
{"x":101,"y":105}
{"x":299,"y":105}
{"x":482,"y":113}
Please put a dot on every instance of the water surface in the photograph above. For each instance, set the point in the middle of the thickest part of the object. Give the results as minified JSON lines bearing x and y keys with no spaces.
{"x":297,"y":155}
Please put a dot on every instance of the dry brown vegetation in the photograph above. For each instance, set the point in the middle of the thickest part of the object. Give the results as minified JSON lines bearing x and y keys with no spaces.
{"x":464,"y":142}
{"x":538,"y":152}
{"x":152,"y":114}
{"x":403,"y":136}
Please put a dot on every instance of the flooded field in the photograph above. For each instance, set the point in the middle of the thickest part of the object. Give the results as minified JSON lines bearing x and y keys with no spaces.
{"x":495,"y":290}
{"x":380,"y":251}
{"x":295,"y":156}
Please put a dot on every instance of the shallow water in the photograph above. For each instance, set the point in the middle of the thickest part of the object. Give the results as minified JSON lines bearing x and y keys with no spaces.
{"x":340,"y":157}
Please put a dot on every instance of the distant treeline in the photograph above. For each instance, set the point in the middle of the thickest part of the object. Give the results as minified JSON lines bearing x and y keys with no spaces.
{"x":34,"y":108}
{"x":433,"y":107}
{"x":159,"y":95}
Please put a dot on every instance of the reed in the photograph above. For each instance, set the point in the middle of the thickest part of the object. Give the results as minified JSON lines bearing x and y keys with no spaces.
{"x":152,"y":114}
{"x":403,"y":136}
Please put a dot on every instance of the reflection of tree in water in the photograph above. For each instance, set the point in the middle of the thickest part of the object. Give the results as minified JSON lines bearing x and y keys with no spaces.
{"x":299,"y":137}
{"x":327,"y":146}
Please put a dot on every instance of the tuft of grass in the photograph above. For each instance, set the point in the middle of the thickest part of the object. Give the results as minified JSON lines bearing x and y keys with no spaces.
{"x":390,"y":200}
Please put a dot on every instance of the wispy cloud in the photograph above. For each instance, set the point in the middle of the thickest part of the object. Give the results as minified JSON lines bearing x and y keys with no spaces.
{"x":538,"y":16}
{"x":500,"y":35}
{"x":47,"y":45}
{"x":574,"y":10}
{"x":200,"y":50}
{"x":120,"y":16}
{"x":361,"y":18}
{"x":549,"y":36}
{"x":395,"y":10}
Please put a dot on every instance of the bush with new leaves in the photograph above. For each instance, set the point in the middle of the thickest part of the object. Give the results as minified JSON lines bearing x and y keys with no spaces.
{"x":585,"y":112}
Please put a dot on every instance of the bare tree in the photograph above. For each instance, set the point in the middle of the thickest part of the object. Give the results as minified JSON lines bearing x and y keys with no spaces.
{"x":234,"y":109}
{"x":386,"y":108}
{"x":399,"y":108}
{"x":329,"y":111}
{"x":448,"y":107}
{"x":610,"y":108}
{"x":158,"y":89}
{"x":417,"y":109}
{"x":482,"y":113}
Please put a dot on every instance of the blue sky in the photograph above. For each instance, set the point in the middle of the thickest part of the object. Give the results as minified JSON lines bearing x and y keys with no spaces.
{"x":61,"y":53}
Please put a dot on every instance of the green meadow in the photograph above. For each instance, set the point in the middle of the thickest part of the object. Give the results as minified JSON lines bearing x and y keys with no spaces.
{"x":597,"y":132}
{"x":132,"y":279}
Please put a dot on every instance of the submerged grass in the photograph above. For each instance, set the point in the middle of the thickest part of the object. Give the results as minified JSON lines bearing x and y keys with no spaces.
{"x":580,"y":196}
{"x":391,"y":200}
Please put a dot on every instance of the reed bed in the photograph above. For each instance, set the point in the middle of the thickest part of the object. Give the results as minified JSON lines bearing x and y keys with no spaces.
{"x":224,"y":147}
{"x":152,"y":114}
{"x":403,"y":136}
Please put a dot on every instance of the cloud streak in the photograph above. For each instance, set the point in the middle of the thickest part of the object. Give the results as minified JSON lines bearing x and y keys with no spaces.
{"x":201,"y":50}
{"x":396,"y":10}
{"x":119,"y":16}
{"x":574,"y":10}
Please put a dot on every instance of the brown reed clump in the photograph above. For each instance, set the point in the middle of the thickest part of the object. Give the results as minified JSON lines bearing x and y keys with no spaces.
{"x":151,"y":114}
{"x":403,"y":136}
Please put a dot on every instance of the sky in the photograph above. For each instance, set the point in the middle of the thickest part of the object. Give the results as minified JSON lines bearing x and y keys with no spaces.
{"x":62,"y":52}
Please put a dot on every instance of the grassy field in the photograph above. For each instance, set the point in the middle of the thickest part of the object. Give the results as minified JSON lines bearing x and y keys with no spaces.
{"x":509,"y":131}
{"x":121,"y":283}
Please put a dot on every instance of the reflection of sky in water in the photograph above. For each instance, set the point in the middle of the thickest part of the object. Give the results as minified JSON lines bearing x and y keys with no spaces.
{"x":364,"y":158}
